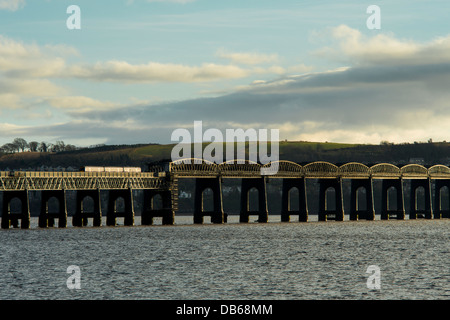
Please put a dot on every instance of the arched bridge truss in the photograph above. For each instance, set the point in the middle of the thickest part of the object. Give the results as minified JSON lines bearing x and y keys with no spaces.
{"x":320,"y":170}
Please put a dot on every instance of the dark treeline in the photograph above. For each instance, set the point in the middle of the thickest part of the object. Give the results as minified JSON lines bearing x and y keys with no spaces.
{"x":21,"y":145}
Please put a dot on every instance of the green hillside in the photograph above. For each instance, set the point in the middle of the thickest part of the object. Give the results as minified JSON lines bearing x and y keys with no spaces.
{"x":297,"y":151}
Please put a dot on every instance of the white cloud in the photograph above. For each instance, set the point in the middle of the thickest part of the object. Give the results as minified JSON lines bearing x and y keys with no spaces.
{"x":12,"y":5}
{"x":300,"y":68}
{"x":122,"y":71}
{"x":81,"y":104}
{"x":247,"y":58}
{"x":10,"y":101}
{"x":19,"y":60}
{"x":30,"y":87}
{"x":383,"y":49}
{"x":24,"y":61}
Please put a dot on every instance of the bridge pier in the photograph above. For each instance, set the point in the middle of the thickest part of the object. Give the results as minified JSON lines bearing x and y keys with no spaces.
{"x":355,"y":213}
{"x":288,"y":184}
{"x":324,"y":212}
{"x":47,"y":219}
{"x":414,"y":212}
{"x":438,"y":211}
{"x":80,"y":219}
{"x":201,"y":184}
{"x":12,"y":219}
{"x":262,"y":212}
{"x":386,"y":213}
{"x":127,"y":214}
{"x":149,"y":212}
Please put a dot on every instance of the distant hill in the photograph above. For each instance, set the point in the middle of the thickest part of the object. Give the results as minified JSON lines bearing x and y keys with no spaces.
{"x":296,"y":151}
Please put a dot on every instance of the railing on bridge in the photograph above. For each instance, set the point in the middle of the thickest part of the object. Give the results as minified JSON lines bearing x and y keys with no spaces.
{"x":321,"y":169}
{"x":288,"y":169}
{"x":355,"y":170}
{"x":22,"y":180}
{"x":439,"y":172}
{"x":385,"y":171}
{"x":414,"y":171}
{"x":284,"y":169}
{"x":239,"y":168}
{"x":193,"y":167}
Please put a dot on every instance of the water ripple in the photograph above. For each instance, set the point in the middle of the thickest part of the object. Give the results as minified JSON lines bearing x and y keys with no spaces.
{"x":254,"y":261}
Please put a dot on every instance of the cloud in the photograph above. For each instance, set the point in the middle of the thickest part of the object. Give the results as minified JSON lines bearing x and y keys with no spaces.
{"x":11,"y":5}
{"x":19,"y":60}
{"x":393,"y":99}
{"x":25,"y":70}
{"x":247,"y":58}
{"x":391,"y":89}
{"x":122,"y":71}
{"x":151,"y":72}
{"x":29,"y":87}
{"x":80,"y":104}
{"x":382,"y":49}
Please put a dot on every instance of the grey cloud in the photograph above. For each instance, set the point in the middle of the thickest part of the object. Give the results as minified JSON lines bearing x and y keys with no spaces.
{"x":393,"y":90}
{"x":344,"y":90}
{"x":369,"y":99}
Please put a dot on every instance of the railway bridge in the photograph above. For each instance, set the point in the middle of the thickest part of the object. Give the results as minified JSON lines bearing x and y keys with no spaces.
{"x":162,"y":179}
{"x":329,"y":176}
{"x":18,"y":184}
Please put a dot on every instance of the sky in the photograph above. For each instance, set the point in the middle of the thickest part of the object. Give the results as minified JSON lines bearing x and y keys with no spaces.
{"x":137,"y":70}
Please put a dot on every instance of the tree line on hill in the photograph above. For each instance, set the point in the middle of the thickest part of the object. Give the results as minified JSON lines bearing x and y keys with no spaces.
{"x":21,"y":145}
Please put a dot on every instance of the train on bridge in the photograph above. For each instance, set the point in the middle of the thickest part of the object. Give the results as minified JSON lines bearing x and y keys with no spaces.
{"x":110,"y":169}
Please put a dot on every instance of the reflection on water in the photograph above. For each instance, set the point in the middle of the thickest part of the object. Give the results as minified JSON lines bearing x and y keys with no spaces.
{"x":314,"y":260}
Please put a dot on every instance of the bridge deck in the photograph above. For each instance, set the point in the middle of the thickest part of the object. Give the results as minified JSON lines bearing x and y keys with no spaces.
{"x":197,"y":168}
{"x":192,"y":168}
{"x":25,"y":180}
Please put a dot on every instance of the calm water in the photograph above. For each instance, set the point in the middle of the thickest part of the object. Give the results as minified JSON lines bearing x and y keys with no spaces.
{"x":314,"y":260}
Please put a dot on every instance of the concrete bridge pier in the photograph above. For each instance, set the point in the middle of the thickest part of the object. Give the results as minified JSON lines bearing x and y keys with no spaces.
{"x":355,"y":212}
{"x":149,"y":211}
{"x":80,"y":219}
{"x":415,"y":213}
{"x":386,"y":212}
{"x":12,"y":219}
{"x":325,"y":213}
{"x":286,"y":212}
{"x":439,"y":212}
{"x":112,"y":214}
{"x":47,"y":219}
{"x":217,"y":214}
{"x":260,"y":185}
